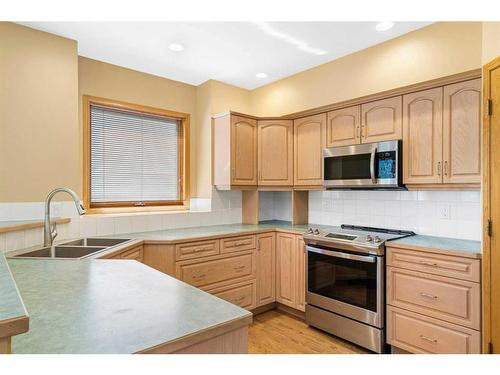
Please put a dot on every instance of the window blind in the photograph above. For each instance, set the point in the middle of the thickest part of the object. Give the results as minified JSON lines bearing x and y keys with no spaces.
{"x":134,"y":157}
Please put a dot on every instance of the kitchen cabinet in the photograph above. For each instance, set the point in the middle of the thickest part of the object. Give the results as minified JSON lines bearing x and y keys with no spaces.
{"x":234,"y":152}
{"x":462,"y":132}
{"x":344,"y":127}
{"x":423,"y":137}
{"x":442,"y":135}
{"x":266,"y":268}
{"x":275,"y":153}
{"x":381,"y":120}
{"x":290,"y":270}
{"x":309,"y":135}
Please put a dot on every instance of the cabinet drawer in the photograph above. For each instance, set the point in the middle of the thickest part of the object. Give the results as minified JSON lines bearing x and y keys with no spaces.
{"x":242,"y":294}
{"x":452,"y":300}
{"x":437,"y":264}
{"x":193,"y":250}
{"x":135,"y":253}
{"x":420,"y":334}
{"x":209,"y":273}
{"x":229,"y":245}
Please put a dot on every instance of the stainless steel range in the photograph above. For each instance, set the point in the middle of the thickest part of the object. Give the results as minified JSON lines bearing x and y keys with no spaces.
{"x":345,"y":277}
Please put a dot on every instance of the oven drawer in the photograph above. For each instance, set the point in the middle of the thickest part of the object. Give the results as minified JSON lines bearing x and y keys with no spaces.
{"x":242,"y":294}
{"x":452,"y":300}
{"x":437,"y":264}
{"x":420,"y":334}
{"x":229,"y":245}
{"x":207,"y":274}
{"x":193,"y":250}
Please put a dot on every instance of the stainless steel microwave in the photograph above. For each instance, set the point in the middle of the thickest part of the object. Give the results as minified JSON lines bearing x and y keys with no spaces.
{"x":364,"y":166}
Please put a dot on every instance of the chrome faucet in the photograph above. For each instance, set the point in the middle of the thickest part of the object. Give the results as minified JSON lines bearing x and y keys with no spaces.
{"x":50,"y":231}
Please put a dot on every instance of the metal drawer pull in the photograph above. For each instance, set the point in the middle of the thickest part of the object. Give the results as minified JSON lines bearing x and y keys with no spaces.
{"x":428,"y":295}
{"x":429,"y":263}
{"x":434,"y":341}
{"x":202,"y":276}
{"x":239,"y":268}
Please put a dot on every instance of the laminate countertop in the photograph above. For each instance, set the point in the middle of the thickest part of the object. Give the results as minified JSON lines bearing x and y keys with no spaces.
{"x":112,"y":306}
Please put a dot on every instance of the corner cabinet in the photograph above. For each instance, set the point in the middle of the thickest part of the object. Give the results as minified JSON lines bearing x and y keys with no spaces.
{"x":266,"y":266}
{"x":309,"y":135}
{"x":442,"y":136}
{"x":275,"y":153}
{"x":234,"y":152}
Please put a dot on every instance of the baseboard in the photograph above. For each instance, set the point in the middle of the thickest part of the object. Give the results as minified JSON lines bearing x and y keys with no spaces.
{"x":264,"y":308}
{"x":290,"y":310}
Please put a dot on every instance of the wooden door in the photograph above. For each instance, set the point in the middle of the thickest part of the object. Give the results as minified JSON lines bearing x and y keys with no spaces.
{"x":309,"y":134}
{"x":491,"y":208}
{"x":422,"y":137}
{"x":301,"y":274}
{"x":243,"y":151}
{"x":286,"y":269}
{"x":343,"y":127}
{"x":275,"y":156}
{"x":382,"y":120}
{"x":266,"y":266}
{"x":462,"y":132}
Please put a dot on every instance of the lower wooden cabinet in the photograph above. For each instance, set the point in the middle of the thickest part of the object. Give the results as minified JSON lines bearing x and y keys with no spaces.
{"x":266,"y":268}
{"x":241,"y":294}
{"x":290,"y":270}
{"x":136,"y":253}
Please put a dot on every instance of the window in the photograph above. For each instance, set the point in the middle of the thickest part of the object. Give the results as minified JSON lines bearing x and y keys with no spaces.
{"x":134,"y":155}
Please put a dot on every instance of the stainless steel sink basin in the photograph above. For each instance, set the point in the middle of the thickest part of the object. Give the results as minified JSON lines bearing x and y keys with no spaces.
{"x":61,"y":252}
{"x":106,"y":242}
{"x":76,"y":249}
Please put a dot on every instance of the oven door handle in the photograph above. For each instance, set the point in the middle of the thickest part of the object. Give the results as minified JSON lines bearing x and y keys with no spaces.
{"x":372,"y":165}
{"x":338,"y":254}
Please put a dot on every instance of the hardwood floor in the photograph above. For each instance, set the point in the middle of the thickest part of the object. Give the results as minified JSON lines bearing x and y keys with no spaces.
{"x":275,"y":332}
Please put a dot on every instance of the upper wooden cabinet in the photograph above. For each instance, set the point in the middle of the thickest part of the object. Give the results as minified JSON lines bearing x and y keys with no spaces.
{"x":275,"y":153}
{"x":343,"y":127}
{"x":442,"y":135}
{"x":309,"y":135}
{"x":381,"y":120}
{"x":234,"y":152}
{"x":462,"y":132}
{"x":422,"y":136}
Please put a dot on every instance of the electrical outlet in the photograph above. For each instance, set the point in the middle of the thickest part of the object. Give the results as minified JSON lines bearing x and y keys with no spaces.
{"x":444,"y":211}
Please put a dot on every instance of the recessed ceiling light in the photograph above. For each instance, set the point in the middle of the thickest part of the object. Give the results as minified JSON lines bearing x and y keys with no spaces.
{"x":176,"y":47}
{"x":261,"y":75}
{"x":383,"y":26}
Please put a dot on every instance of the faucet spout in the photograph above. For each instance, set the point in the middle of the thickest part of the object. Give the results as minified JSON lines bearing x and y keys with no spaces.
{"x":50,"y":233}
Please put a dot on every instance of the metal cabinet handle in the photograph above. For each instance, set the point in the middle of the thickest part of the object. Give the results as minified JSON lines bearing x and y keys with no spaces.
{"x":446,"y":167}
{"x":198,"y":277}
{"x":439,"y":168}
{"x":239,"y":268}
{"x":426,"y":295}
{"x":258,"y":244}
{"x":429,"y":263}
{"x":434,"y":341}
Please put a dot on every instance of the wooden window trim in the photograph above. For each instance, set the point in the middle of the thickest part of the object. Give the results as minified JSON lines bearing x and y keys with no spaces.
{"x":183,"y":165}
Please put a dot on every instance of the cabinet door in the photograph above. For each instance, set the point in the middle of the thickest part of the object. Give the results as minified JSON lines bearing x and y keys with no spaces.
{"x":462,"y":132}
{"x":266,"y":266}
{"x":381,"y":120}
{"x":243,"y":151}
{"x":422,"y":137}
{"x":309,"y":135}
{"x":275,"y":145}
{"x":286,"y":269}
{"x":301,"y":274}
{"x":343,"y":127}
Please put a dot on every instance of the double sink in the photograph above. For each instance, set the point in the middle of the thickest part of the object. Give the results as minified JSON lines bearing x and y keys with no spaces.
{"x":76,"y":249}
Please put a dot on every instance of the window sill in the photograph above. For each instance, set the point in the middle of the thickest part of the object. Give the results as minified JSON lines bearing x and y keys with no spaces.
{"x":124,"y":211}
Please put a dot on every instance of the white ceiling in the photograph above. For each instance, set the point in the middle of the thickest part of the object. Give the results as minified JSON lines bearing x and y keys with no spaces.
{"x":231,"y":52}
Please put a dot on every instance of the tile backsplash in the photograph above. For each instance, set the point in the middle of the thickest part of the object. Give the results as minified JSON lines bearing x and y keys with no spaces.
{"x":437,"y":213}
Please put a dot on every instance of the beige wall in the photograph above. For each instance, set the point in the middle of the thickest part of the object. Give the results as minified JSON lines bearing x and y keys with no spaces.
{"x":109,"y":81}
{"x":437,"y":50}
{"x":491,"y":41}
{"x":39,"y":138}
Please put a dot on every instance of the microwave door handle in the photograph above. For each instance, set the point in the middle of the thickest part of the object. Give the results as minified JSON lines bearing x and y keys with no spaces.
{"x":372,"y":166}
{"x":337,"y":254}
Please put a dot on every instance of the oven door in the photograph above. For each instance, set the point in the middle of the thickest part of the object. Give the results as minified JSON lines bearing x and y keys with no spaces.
{"x":372,"y":165}
{"x":348,"y":284}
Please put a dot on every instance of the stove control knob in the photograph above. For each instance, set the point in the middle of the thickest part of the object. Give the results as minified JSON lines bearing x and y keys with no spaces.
{"x":377,"y":239}
{"x":310,"y":231}
{"x":316,"y":231}
{"x":369,"y":238}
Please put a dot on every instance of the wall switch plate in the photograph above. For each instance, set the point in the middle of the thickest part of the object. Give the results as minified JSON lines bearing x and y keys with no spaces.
{"x":444,"y":211}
